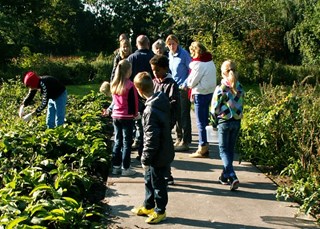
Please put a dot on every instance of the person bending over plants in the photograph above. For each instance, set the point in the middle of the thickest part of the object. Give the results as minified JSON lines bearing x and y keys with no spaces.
{"x":54,"y":97}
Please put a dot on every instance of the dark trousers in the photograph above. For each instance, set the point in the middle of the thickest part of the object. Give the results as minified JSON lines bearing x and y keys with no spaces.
{"x":183,"y":126}
{"x":156,"y":195}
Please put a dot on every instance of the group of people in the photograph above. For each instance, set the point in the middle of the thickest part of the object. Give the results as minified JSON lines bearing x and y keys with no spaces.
{"x":167,"y":80}
{"x":152,"y":92}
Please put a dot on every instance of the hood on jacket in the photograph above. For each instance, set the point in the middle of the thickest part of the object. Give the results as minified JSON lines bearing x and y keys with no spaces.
{"x":205,"y":57}
{"x":159,"y":100}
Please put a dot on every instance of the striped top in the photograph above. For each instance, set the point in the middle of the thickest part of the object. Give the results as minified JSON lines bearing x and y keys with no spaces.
{"x":226,"y":105}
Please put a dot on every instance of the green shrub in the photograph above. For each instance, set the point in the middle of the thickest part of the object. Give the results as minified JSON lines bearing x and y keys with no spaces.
{"x":53,"y":177}
{"x":70,"y":70}
{"x":280,"y":132}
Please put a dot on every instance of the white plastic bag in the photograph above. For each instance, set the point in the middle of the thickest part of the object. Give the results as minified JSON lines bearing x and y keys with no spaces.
{"x":27,"y":117}
{"x":21,"y":111}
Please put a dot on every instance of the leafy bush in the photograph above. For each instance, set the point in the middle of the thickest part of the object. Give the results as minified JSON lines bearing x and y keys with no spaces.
{"x":280,"y":131}
{"x":70,"y":70}
{"x":53,"y":178}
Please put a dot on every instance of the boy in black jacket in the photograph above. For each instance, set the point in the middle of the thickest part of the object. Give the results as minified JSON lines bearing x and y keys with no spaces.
{"x":164,"y":82}
{"x":158,"y":151}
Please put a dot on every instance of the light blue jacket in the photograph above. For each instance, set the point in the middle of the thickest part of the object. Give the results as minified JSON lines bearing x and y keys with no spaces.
{"x":179,"y":66}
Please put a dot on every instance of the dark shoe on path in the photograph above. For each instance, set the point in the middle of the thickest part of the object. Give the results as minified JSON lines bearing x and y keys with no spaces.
{"x":223,"y":180}
{"x":234,"y":183}
{"x":169,"y":180}
{"x":181,"y":147}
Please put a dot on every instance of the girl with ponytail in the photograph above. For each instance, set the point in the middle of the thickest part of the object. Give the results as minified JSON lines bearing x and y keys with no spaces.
{"x":125,"y":109}
{"x":227,"y":107}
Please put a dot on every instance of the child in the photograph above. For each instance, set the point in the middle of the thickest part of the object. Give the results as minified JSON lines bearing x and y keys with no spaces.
{"x":54,"y":96}
{"x":125,"y":109}
{"x":158,"y":151}
{"x":227,"y":105}
{"x":165,"y":83}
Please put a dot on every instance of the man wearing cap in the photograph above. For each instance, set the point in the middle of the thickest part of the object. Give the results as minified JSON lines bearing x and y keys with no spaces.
{"x":54,"y":96}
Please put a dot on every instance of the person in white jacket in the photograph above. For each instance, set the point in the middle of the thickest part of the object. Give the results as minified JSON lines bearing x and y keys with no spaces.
{"x":202,"y":80}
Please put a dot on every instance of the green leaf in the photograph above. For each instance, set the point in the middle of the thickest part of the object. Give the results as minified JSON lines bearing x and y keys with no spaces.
{"x":15,"y":222}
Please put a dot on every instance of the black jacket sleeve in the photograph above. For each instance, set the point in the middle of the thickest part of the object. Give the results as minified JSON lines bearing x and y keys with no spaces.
{"x":28,"y":99}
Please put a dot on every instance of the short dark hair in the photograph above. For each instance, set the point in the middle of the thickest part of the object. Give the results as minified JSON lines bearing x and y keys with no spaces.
{"x":160,"y":61}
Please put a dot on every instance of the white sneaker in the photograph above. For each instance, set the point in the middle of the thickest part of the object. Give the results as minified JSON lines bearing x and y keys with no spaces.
{"x":128,"y":172}
{"x":116,"y":170}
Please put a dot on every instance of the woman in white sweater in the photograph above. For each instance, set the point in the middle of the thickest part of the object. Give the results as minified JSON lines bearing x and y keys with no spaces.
{"x":202,"y":80}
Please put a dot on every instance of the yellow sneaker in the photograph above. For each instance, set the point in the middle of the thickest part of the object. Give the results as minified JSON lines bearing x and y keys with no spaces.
{"x":140,"y":211}
{"x":156,"y":218}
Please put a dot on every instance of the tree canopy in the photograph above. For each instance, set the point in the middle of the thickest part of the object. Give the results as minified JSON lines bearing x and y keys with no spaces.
{"x":284,"y":30}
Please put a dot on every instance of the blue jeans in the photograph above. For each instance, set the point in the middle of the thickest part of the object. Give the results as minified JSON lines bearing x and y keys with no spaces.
{"x":156,"y":194}
{"x":227,"y":136}
{"x":183,"y":126}
{"x":201,"y":107}
{"x":122,"y":142}
{"x":56,"y":110}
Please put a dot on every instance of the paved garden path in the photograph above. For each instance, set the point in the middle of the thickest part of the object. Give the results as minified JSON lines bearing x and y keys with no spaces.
{"x":198,"y":200}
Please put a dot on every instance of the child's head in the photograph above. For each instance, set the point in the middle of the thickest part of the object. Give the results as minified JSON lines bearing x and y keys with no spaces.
{"x":123,"y":70}
{"x":229,"y":72}
{"x":144,"y":84}
{"x":31,"y":80}
{"x":125,"y":48}
{"x":160,"y":66}
{"x":122,"y":73}
{"x":105,"y":88}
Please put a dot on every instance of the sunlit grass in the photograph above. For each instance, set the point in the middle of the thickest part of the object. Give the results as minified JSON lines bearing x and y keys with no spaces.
{"x":82,"y":90}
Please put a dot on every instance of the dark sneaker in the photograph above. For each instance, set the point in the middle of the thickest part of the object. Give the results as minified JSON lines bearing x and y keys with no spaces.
{"x":234,"y":183}
{"x":181,"y":148}
{"x":116,"y":170}
{"x":223,"y":180}
{"x":169,"y":180}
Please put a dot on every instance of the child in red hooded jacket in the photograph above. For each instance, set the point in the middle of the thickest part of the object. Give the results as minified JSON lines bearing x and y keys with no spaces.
{"x":54,"y":97}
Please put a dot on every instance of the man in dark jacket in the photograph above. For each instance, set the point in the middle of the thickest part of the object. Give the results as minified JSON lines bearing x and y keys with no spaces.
{"x":158,"y":150}
{"x":140,"y":63}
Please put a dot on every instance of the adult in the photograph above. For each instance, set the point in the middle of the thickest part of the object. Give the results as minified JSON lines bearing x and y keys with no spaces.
{"x":125,"y":49}
{"x":179,"y":60}
{"x":202,"y":80}
{"x":54,"y":97}
{"x":140,"y":63}
{"x":122,"y":36}
{"x":159,"y":47}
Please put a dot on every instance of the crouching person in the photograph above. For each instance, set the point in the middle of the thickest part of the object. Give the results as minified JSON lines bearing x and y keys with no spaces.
{"x":158,"y":151}
{"x":54,"y":97}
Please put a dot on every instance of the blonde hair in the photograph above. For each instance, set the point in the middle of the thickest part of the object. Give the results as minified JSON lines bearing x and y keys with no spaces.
{"x":197,"y":47}
{"x":172,"y":37}
{"x":105,"y":88}
{"x":232,"y":75}
{"x":120,"y":77}
{"x":143,"y":82}
{"x":123,"y":54}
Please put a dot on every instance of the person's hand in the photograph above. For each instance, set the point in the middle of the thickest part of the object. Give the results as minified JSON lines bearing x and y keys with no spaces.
{"x":145,"y":167}
{"x":106,"y":113}
{"x":138,"y":116}
{"x":21,"y":111}
{"x":192,"y":98}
